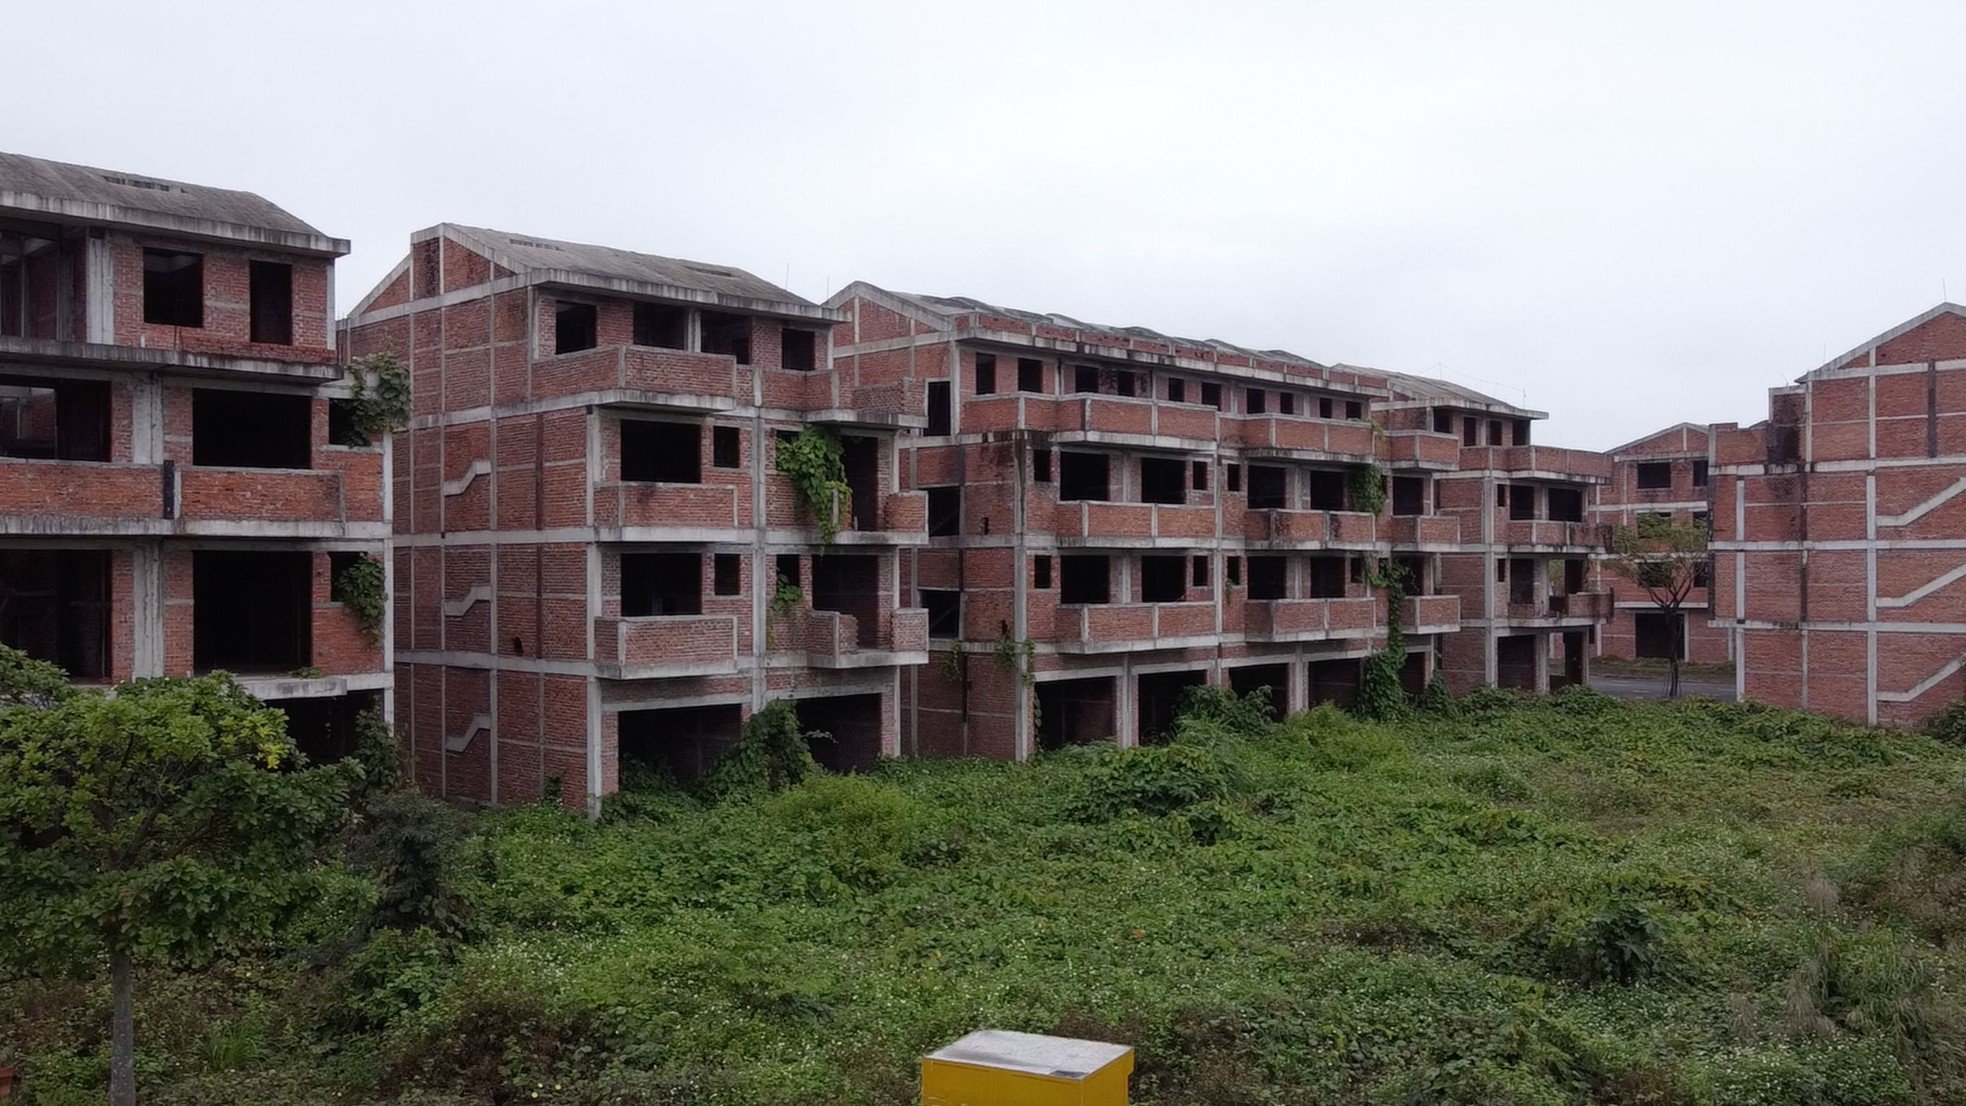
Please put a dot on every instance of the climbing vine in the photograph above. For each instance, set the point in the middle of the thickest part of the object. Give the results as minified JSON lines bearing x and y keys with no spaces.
{"x":784,"y":601}
{"x":360,"y":587}
{"x":1020,"y":659}
{"x":813,"y":461}
{"x":1368,"y":488}
{"x":773,"y":752}
{"x":952,"y":661}
{"x":379,"y":400}
{"x":1380,"y":694}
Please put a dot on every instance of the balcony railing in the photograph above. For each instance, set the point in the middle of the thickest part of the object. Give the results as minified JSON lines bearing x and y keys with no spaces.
{"x":1420,"y":449}
{"x":1309,"y":619}
{"x":1081,"y":521}
{"x":1549,"y":532}
{"x":1421,"y":530}
{"x":832,"y":639}
{"x":1098,"y":627}
{"x":1549,"y":462}
{"x":1430,"y":614}
{"x":1582,"y":604}
{"x":1309,"y":527}
{"x":1293,"y":433}
{"x":657,"y":506}
{"x":705,"y":376}
{"x":665,"y":645}
{"x":79,"y":495}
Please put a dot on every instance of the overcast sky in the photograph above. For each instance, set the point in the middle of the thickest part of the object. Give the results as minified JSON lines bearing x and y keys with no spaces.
{"x":1625,"y":215}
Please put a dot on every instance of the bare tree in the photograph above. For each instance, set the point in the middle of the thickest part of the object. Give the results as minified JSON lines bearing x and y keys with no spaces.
{"x":1668,"y":559}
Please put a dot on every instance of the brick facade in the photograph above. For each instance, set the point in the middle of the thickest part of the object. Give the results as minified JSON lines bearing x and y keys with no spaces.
{"x":171,"y":499}
{"x":594,"y":529}
{"x":1666,"y":473}
{"x":1837,"y":523}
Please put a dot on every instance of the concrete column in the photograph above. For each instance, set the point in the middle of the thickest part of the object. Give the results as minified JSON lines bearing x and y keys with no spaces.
{"x":99,"y":289}
{"x":147,"y":610}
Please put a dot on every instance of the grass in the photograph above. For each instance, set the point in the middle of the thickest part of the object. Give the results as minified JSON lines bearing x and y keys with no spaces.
{"x":1562,"y":901}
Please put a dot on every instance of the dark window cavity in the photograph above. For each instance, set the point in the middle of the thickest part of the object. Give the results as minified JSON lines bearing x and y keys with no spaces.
{"x":787,"y":570}
{"x":1201,"y":570}
{"x":173,"y":288}
{"x":729,"y":335}
{"x":661,"y":325}
{"x":945,"y":612}
{"x":1084,"y":578}
{"x":1258,"y":401}
{"x":1654,"y":474}
{"x":576,"y":327}
{"x":1085,"y":476}
{"x":1211,"y":395}
{"x":945,"y":511}
{"x":1328,"y":577}
{"x":798,"y":349}
{"x":661,"y":452}
{"x":728,"y":574}
{"x":940,"y":416}
{"x":1327,"y":490}
{"x":1163,"y":480}
{"x":1269,"y":578}
{"x":1041,"y":466}
{"x":1041,"y":571}
{"x":1163,"y":579}
{"x":270,"y":287}
{"x":54,"y":419}
{"x":1267,"y":488}
{"x":725,"y":450}
{"x":986,"y":374}
{"x":1201,"y":475}
{"x":661,"y":584}
{"x":1030,"y":374}
{"x":259,"y":430}
{"x":1177,"y":390}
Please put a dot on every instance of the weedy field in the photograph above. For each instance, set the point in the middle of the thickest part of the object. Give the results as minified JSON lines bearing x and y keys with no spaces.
{"x":1567,"y":900}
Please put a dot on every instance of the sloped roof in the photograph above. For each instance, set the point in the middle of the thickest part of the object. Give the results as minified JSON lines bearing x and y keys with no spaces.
{"x":530,"y":254}
{"x":1698,"y":427}
{"x":37,"y":187}
{"x":1434,"y":390}
{"x":945,"y":308}
{"x":1905,"y":327}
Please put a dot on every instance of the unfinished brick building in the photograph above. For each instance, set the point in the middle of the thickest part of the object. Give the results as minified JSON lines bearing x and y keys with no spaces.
{"x":595,"y":548}
{"x":1116,"y":514}
{"x":1840,"y":530}
{"x":1521,"y":567}
{"x":1664,"y":473}
{"x":177,"y":491}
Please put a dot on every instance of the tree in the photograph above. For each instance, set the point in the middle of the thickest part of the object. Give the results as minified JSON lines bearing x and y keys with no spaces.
{"x":1668,"y":559}
{"x":161,"y":824}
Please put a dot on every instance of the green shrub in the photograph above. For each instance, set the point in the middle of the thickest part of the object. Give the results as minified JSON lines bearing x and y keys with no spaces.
{"x":866,"y":831}
{"x":1620,"y":941}
{"x":1154,"y":780}
{"x":1916,"y":872}
{"x":1948,"y":725}
{"x":1249,"y":715}
{"x":410,"y":844}
{"x":1436,"y":699}
{"x":1585,"y":702}
{"x":771,"y":754}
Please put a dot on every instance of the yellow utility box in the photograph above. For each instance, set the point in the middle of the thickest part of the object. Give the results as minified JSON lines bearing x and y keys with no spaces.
{"x":995,"y":1067}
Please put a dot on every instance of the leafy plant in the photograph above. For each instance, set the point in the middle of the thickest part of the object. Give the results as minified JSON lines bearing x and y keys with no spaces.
{"x":1948,"y":725}
{"x":771,"y":754}
{"x":1620,"y":942}
{"x":162,"y":824}
{"x":409,"y":843}
{"x":1379,"y":692}
{"x":364,"y":595}
{"x":379,"y":401}
{"x":785,"y":599}
{"x":816,"y":464}
{"x":1367,"y":484}
{"x":1249,"y":715}
{"x":1153,"y":780}
{"x":308,"y":672}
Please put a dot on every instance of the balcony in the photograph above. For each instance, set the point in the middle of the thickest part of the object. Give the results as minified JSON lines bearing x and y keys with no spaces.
{"x":1131,"y":525}
{"x":665,"y":645}
{"x":1136,"y":421}
{"x":1577,"y":608}
{"x":902,"y":520}
{"x":187,"y":358}
{"x":1420,"y":449}
{"x":1438,"y":533}
{"x":1304,"y":529}
{"x":1548,"y":535}
{"x":1430,"y":614}
{"x":1300,"y":438}
{"x":893,"y":406}
{"x":642,"y":376}
{"x":113,"y":498}
{"x":1539,"y":462}
{"x":1309,"y":619}
{"x":832,"y":639}
{"x":1124,"y":627}
{"x":642,"y":511}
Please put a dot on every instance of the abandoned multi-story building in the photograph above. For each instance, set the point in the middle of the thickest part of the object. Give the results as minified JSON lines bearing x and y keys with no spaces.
{"x":600,"y":565}
{"x":1840,"y":530}
{"x":1115,"y":515}
{"x":1521,"y":560}
{"x":1665,"y":474}
{"x":180,"y":490}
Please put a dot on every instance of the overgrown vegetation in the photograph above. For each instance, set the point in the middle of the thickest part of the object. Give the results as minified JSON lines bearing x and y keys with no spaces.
{"x":364,"y":593}
{"x":1516,"y":901}
{"x":379,"y":400}
{"x":1380,"y":695}
{"x":815,"y":462}
{"x":1368,"y":488}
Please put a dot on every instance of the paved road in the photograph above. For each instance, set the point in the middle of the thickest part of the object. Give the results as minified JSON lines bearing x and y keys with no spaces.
{"x":1654,"y":687}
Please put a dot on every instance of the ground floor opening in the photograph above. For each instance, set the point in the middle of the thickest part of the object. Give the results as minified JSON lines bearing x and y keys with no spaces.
{"x":1076,"y":712}
{"x":1274,"y":678}
{"x":1515,"y":662}
{"x":1413,"y":675}
{"x":54,"y":606}
{"x":1159,"y":700}
{"x":1656,"y":634}
{"x":852,"y":728}
{"x":324,"y":729}
{"x":678,"y":744}
{"x":1334,"y":682}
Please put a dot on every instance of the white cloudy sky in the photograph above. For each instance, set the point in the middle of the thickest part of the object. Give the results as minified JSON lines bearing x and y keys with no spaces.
{"x":1626,"y":215}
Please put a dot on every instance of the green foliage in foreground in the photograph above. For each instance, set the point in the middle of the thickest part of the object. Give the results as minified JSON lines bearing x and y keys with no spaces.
{"x":1516,"y":901}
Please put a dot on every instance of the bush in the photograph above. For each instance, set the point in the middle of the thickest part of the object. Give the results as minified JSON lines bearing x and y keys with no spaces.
{"x":410,"y":843}
{"x":1949,"y":725}
{"x":1250,"y":715}
{"x":772,"y":753}
{"x":867,"y":832}
{"x":1156,"y":781}
{"x":1916,"y":872}
{"x":1621,"y":941}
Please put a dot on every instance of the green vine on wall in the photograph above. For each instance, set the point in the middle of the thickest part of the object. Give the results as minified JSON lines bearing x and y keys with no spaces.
{"x":1368,"y":488}
{"x":360,"y":586}
{"x":1019,"y":658}
{"x":379,"y":399}
{"x":784,"y":601}
{"x":1379,"y":693}
{"x":813,"y":460}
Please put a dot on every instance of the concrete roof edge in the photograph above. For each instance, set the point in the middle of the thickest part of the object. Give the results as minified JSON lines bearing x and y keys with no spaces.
{"x":1702,"y":427}
{"x":116,"y":215}
{"x":1916,"y":321}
